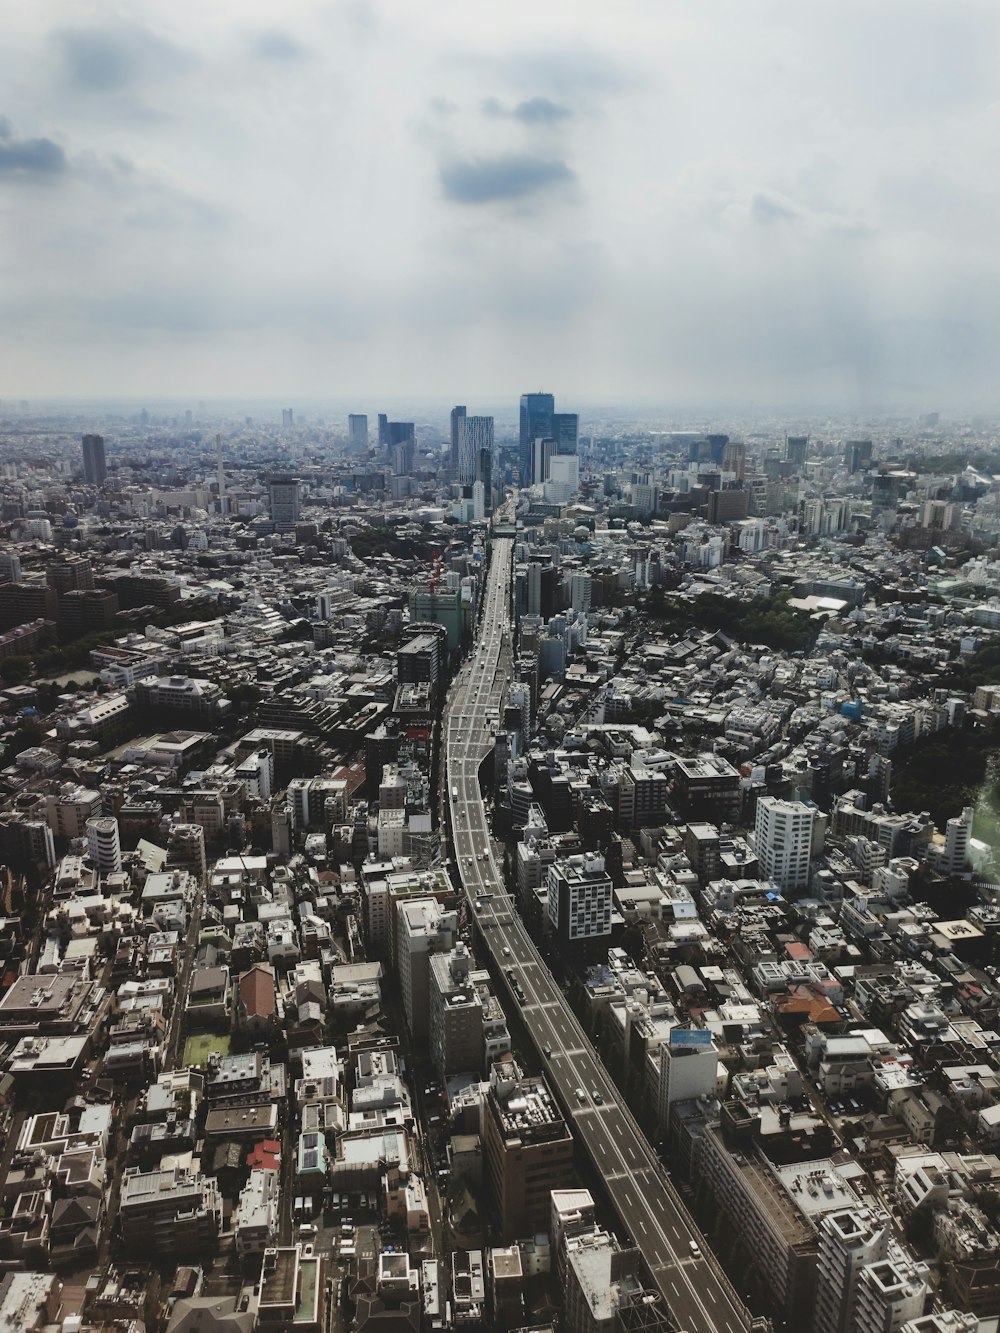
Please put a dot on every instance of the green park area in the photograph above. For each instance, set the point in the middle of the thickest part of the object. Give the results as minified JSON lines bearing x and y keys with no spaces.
{"x":199,"y":1047}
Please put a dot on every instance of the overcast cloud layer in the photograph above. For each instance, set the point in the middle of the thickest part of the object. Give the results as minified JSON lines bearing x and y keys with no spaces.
{"x":662,"y":199}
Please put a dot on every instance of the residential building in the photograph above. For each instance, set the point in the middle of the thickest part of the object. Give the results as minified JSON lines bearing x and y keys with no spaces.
{"x":256,"y":1224}
{"x":783,"y":836}
{"x":850,"y":1238}
{"x":456,"y":1013}
{"x":169,"y":1212}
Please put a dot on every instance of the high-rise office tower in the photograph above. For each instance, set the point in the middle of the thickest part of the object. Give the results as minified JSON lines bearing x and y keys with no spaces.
{"x":537,"y":410}
{"x":383,"y":430}
{"x":401,"y":440}
{"x":566,"y":431}
{"x":283,"y":497}
{"x":484,"y":478}
{"x":542,"y":451}
{"x":795,"y":449}
{"x":287,"y":417}
{"x":734,"y":458}
{"x":357,"y":432}
{"x":857,"y":455}
{"x":477,"y":438}
{"x":221,"y":476}
{"x":400,"y":431}
{"x":95,"y":468}
{"x":457,"y":433}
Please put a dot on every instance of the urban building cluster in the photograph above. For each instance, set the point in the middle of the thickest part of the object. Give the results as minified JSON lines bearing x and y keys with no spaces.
{"x":257,"y":1071}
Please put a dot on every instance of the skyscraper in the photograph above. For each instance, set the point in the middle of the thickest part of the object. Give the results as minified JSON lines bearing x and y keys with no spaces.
{"x":477,"y":438}
{"x":484,"y":478}
{"x":357,"y":431}
{"x":566,"y":431}
{"x":857,"y":455}
{"x":95,"y":468}
{"x":287,"y":417}
{"x":283,"y":497}
{"x":383,"y":430}
{"x":541,"y":457}
{"x":401,"y":440}
{"x":796,"y":447}
{"x":537,"y":410}
{"x":734,"y":458}
{"x":457,"y":434}
{"x":221,"y":476}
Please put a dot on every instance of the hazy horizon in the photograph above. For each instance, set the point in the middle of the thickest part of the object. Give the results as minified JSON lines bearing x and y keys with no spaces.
{"x":769,"y":208}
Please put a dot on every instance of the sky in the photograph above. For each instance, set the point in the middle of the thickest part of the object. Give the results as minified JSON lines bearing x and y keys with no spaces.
{"x":666,"y":201}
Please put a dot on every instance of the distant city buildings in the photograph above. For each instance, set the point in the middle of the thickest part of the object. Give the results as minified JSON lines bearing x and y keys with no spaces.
{"x":228,"y":819}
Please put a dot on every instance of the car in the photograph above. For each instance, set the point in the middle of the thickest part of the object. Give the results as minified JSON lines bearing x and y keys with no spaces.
{"x":581,"y":1096}
{"x":695,"y":1249}
{"x":308,"y":1229}
{"x":598,"y":1099}
{"x":505,"y":951}
{"x":547,"y":1052}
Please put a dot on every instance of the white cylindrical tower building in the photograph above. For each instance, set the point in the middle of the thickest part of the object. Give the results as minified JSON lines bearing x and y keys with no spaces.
{"x":104,"y":844}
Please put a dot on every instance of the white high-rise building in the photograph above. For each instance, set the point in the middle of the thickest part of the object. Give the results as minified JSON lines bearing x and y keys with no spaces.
{"x":423,"y":927}
{"x":957,"y":833}
{"x":784,"y":840}
{"x":890,"y":1293}
{"x":104,"y":844}
{"x":848,"y":1240}
{"x":580,"y":585}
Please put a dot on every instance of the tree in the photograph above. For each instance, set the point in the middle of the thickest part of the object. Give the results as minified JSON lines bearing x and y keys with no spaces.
{"x":15,"y":670}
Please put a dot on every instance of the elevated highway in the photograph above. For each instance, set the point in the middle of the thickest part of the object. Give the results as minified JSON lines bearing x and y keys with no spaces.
{"x":694,"y":1287}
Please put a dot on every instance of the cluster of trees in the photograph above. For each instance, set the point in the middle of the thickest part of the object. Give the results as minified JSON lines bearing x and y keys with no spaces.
{"x":55,"y":659}
{"x":382,"y":541}
{"x":767,"y":620}
{"x":944,"y":772}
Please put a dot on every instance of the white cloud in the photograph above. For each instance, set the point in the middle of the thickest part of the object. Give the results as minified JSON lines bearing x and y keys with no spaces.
{"x":688,"y":202}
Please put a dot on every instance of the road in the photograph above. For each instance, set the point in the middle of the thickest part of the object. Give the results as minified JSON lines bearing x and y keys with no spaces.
{"x":696,"y":1291}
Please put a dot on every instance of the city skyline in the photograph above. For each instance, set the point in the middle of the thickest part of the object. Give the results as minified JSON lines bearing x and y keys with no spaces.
{"x":697,"y":207}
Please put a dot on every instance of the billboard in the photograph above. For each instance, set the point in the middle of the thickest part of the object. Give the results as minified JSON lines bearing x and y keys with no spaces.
{"x":690,"y":1037}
